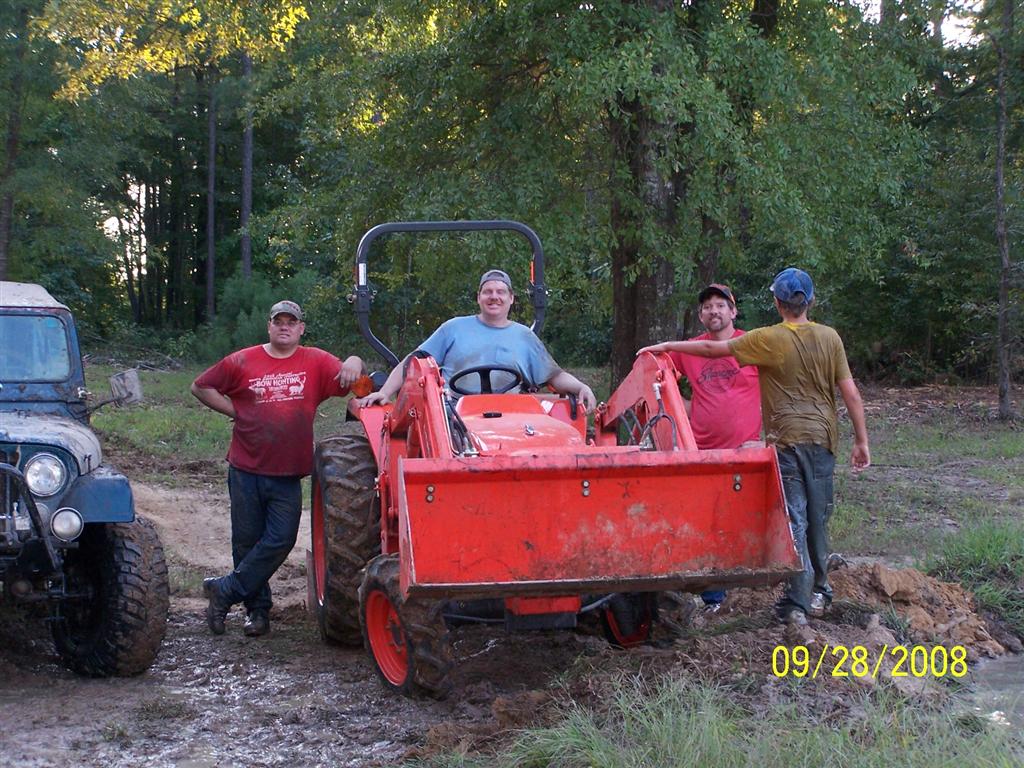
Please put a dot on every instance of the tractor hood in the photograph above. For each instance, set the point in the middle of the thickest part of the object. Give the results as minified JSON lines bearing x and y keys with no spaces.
{"x":22,"y":428}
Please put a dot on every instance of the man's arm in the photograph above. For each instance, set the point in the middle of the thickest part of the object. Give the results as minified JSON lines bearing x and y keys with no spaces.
{"x":567,"y":384}
{"x":351,"y":369}
{"x":706,"y":348}
{"x":214,"y":400}
{"x":390,"y":388}
{"x":861,"y":456}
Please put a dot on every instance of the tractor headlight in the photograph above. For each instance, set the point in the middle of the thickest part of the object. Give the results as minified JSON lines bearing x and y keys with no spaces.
{"x":45,"y":474}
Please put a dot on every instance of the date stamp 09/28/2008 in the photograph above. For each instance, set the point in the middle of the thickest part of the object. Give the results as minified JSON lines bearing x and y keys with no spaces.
{"x":860,"y":661}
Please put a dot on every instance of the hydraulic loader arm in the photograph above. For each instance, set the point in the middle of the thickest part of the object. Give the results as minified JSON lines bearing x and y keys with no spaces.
{"x":649,"y":397}
{"x":419,"y":411}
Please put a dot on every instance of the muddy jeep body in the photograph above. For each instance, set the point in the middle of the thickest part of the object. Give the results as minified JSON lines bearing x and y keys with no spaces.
{"x":69,"y":537}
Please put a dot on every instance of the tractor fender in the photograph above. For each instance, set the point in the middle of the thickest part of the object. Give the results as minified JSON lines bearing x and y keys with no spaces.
{"x":102,"y":496}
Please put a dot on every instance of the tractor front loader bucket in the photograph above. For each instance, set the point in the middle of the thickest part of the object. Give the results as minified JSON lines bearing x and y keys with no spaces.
{"x":612,"y":520}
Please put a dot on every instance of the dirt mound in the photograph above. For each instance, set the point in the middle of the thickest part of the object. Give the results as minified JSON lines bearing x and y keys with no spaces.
{"x":507,"y":713}
{"x":937,"y":612}
{"x":921,"y":608}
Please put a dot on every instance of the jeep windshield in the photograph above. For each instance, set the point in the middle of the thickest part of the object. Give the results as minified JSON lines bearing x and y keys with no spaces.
{"x":33,"y":348}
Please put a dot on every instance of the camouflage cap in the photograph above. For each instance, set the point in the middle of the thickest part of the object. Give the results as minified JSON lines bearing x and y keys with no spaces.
{"x":286,"y":308}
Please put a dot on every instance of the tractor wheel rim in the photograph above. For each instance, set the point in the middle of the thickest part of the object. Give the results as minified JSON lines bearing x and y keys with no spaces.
{"x":628,"y":641}
{"x":387,"y":640}
{"x":319,"y":545}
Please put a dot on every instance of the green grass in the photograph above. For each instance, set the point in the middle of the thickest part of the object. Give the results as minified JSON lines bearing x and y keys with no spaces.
{"x":170,"y":428}
{"x":929,"y":476}
{"x":678,"y":722}
{"x":949,"y":438}
{"x":988,"y":559}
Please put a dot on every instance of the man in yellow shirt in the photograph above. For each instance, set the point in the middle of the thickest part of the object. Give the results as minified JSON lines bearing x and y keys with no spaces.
{"x":801,"y":364}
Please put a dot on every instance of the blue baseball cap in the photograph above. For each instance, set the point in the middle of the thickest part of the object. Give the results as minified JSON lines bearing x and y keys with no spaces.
{"x":790,"y":282}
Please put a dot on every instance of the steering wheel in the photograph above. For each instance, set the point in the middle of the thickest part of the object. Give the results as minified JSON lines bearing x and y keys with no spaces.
{"x":484,"y":372}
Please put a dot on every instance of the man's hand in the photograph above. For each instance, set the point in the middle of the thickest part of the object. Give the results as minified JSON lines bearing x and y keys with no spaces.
{"x":654,"y":348}
{"x":586,"y":398}
{"x":861,"y":457}
{"x":214,"y":400}
{"x":374,"y":398}
{"x":351,"y":370}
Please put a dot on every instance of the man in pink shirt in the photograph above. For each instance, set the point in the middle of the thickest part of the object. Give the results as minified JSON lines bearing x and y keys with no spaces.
{"x":271,"y":392}
{"x":725,"y":411}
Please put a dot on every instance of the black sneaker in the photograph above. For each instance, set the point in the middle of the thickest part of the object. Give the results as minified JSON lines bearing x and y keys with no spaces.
{"x":218,"y":607}
{"x":820,"y":603}
{"x":794,"y":617}
{"x":257,"y":623}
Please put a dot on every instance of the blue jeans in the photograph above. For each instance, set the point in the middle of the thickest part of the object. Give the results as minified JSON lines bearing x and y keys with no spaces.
{"x":807,"y":472}
{"x":265,"y":514}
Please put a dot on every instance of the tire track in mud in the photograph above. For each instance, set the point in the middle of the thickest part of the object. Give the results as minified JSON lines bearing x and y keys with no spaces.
{"x":284,"y":699}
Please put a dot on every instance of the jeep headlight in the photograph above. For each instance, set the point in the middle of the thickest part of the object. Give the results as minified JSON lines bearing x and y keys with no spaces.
{"x":45,"y":474}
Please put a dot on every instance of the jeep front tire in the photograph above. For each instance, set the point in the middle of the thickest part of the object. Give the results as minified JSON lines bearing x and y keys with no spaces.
{"x":117,"y":622}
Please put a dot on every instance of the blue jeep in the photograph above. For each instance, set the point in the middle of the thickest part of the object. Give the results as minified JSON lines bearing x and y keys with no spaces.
{"x":69,"y":536}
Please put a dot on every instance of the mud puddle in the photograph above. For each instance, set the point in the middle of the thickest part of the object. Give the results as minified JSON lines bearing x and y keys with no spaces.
{"x":286,"y":699}
{"x":998,"y":691}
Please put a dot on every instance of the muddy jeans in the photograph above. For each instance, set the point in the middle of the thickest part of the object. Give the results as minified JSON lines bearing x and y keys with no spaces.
{"x":807,"y":472}
{"x":265,"y":514}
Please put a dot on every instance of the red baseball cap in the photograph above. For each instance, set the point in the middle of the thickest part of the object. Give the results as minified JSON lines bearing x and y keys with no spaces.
{"x":717,"y":288}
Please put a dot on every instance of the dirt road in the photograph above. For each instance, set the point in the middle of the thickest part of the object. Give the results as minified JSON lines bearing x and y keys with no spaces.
{"x":288,"y":699}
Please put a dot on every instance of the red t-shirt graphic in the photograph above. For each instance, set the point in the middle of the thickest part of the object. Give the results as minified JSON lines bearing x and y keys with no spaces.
{"x":726,"y":406}
{"x":275,"y":401}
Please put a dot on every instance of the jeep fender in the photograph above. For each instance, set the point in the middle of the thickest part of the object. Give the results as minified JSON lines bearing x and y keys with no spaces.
{"x":102,"y":496}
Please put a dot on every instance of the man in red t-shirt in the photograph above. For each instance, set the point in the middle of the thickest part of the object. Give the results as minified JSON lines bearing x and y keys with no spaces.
{"x":725,"y":411}
{"x":271,"y":391}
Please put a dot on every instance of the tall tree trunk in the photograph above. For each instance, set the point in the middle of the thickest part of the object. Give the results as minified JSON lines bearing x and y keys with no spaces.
{"x":179,"y":224}
{"x":12,"y":143}
{"x":129,"y":270}
{"x":940,"y":81}
{"x":138,"y":251}
{"x":645,"y":301}
{"x":886,"y":14}
{"x":211,"y":204}
{"x":1002,"y":241}
{"x":247,"y":168}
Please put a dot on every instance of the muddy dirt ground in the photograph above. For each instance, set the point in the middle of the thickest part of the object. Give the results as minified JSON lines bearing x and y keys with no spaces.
{"x":288,"y":699}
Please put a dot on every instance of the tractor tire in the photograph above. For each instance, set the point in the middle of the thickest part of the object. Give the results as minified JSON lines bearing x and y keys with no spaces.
{"x":407,"y":639}
{"x":119,"y":629}
{"x":345,"y":530}
{"x":627,"y":618}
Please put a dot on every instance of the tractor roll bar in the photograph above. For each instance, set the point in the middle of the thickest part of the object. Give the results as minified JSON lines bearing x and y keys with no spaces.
{"x":363,"y":297}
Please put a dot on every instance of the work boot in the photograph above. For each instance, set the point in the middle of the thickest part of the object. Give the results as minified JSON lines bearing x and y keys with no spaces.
{"x":218,"y":607}
{"x":257,"y":623}
{"x":794,"y":617}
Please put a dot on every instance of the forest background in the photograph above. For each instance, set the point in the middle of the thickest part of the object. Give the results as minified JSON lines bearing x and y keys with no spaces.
{"x":171,"y":168}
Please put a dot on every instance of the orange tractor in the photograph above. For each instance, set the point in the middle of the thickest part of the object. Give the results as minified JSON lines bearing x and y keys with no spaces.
{"x":440,"y":509}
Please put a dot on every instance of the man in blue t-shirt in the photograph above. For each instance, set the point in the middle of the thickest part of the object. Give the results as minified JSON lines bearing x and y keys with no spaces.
{"x":490,"y":338}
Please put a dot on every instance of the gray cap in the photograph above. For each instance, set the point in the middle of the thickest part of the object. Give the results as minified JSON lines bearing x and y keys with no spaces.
{"x":495,"y":274}
{"x":286,"y":308}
